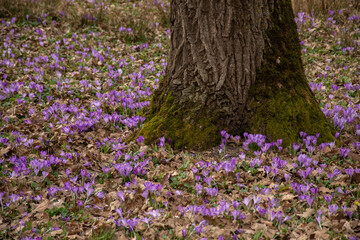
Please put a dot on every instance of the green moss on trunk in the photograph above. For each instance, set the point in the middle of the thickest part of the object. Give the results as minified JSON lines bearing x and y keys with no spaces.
{"x":283,"y":103}
{"x":185,"y":124}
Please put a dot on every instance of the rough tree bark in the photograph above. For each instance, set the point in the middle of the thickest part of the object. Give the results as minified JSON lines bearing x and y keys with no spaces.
{"x":233,"y":65}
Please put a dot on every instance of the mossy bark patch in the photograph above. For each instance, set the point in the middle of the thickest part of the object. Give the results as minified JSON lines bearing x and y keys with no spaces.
{"x":184,"y":124}
{"x":283,"y":104}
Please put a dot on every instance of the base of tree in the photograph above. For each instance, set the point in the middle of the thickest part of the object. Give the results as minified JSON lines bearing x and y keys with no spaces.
{"x":185,"y":124}
{"x":283,"y":113}
{"x":277,"y":112}
{"x":280,"y":103}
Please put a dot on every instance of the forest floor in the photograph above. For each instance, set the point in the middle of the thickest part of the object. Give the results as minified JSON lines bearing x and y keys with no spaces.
{"x":71,"y":92}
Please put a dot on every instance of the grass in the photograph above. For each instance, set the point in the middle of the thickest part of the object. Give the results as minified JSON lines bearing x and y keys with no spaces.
{"x":104,"y":233}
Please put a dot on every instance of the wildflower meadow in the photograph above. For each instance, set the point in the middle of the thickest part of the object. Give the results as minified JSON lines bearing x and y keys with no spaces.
{"x":75,"y":78}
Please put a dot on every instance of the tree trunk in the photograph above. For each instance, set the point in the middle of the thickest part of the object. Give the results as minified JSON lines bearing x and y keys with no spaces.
{"x":233,"y":65}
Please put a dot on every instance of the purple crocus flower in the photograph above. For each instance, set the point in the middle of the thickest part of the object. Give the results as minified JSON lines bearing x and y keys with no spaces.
{"x":333,"y":209}
{"x":337,"y":135}
{"x":154,"y":213}
{"x":273,"y":202}
{"x":287,"y":177}
{"x":344,"y":152}
{"x":184,"y":232}
{"x":199,"y":228}
{"x":296,"y":147}
{"x":124,"y":169}
{"x":119,"y":211}
{"x":106,"y":169}
{"x":52,"y":191}
{"x":328,"y":198}
{"x":131,"y":223}
{"x":309,"y":200}
{"x":100,"y":195}
{"x":37,"y":198}
{"x":318,"y":217}
{"x":357,"y":144}
{"x":121,"y":195}
{"x":235,"y":213}
{"x":235,"y":204}
{"x":349,"y":213}
{"x":267,"y":169}
{"x":45,"y":174}
{"x":89,"y":189}
{"x":67,"y":186}
{"x":314,"y":191}
{"x":246,"y":201}
{"x":212,"y":191}
{"x":272,"y":215}
{"x":242,"y":156}
{"x":228,"y":167}
{"x":140,"y":139}
{"x":162,"y":142}
{"x":80,"y":203}
{"x":262,"y":211}
{"x":208,"y":180}
{"x":198,"y":188}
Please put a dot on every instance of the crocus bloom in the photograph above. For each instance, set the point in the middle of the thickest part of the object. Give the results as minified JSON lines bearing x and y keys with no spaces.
{"x":212,"y":191}
{"x":132,"y":223}
{"x":286,"y":176}
{"x":80,"y":203}
{"x":349,"y":171}
{"x":272,"y":215}
{"x":146,"y":220}
{"x":309,"y":200}
{"x":208,"y":180}
{"x":140,"y":139}
{"x":100,"y":195}
{"x":44,"y":173}
{"x":256,"y":199}
{"x":89,"y":189}
{"x":333,"y":208}
{"x":296,"y":147}
{"x":119,"y":211}
{"x":344,"y":152}
{"x":246,"y":201}
{"x":121,"y":195}
{"x":184,"y":232}
{"x":198,"y":188}
{"x":318,"y":217}
{"x":154,"y":213}
{"x":235,"y":204}
{"x":314,"y":191}
{"x":242,"y":155}
{"x":328,"y":198}
{"x":162,"y":142}
{"x":235,"y":213}
{"x":349,"y":213}
{"x":52,"y":191}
